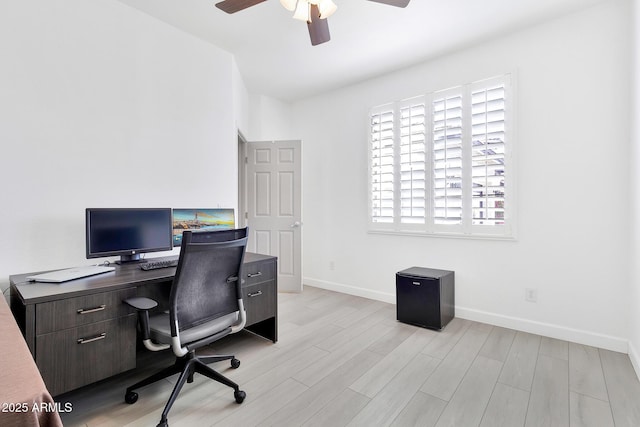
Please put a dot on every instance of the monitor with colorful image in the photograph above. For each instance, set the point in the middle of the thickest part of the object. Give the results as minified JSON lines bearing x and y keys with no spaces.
{"x":207,"y":219}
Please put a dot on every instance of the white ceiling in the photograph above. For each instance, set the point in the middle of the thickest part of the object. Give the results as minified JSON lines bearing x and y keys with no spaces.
{"x":275,"y":57}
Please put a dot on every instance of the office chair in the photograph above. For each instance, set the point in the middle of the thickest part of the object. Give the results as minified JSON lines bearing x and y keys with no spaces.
{"x":205,"y":305}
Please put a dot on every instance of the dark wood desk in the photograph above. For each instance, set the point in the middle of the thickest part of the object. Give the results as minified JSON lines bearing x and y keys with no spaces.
{"x":80,"y":332}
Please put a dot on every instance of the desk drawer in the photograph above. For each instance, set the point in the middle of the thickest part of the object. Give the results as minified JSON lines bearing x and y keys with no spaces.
{"x":71,"y":312}
{"x":259,"y":301}
{"x":258,"y":272}
{"x":78,"y":356}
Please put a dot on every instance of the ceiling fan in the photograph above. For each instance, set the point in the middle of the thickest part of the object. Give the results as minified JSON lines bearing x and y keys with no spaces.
{"x":315,"y":12}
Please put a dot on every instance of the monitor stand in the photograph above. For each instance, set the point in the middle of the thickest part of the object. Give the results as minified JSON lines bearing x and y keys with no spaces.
{"x":130,"y":259}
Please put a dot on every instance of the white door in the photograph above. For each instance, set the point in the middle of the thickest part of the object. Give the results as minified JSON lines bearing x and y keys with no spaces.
{"x":274,"y":207}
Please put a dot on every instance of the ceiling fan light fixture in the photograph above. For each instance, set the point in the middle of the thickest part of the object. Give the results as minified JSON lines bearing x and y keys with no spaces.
{"x":326,"y":8}
{"x":289,"y":4}
{"x":303,"y":11}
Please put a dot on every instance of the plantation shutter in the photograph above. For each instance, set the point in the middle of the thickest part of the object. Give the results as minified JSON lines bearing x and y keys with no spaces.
{"x":440,"y":163}
{"x":382,"y":165}
{"x":488,"y":154}
{"x":412,"y":162}
{"x":447,"y":159}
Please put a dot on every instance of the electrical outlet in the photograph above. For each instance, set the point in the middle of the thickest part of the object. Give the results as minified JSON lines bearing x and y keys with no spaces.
{"x":332,"y":265}
{"x":531,"y":295}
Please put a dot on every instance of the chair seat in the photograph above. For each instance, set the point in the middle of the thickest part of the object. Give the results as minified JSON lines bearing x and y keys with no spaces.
{"x":160,"y":328}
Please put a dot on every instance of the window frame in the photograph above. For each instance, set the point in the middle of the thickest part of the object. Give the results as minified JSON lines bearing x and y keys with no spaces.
{"x":466,"y":228}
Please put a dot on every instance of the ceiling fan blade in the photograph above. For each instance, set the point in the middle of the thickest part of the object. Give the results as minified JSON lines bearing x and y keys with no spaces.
{"x":318,"y":28}
{"x":233,"y":6}
{"x":398,"y":3}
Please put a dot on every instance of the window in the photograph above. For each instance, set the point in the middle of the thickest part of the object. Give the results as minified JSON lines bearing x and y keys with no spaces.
{"x":382,"y":165}
{"x":440,"y":163}
{"x":412,"y":163}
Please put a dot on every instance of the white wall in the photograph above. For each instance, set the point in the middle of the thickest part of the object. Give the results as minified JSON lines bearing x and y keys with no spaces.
{"x":242,"y":105}
{"x":572,"y":181}
{"x":634,"y":297}
{"x":103,"y":106}
{"x":270,"y":119}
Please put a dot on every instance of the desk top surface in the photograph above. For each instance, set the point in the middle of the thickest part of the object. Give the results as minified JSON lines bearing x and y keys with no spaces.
{"x":123,"y":276}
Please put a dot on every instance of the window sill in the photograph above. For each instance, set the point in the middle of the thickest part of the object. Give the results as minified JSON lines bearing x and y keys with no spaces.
{"x":475,"y":236}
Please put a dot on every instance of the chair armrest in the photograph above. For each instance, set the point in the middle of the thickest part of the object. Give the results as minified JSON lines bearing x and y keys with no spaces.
{"x":141,"y":303}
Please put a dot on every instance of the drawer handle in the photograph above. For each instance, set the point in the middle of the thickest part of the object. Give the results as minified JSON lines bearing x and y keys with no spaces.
{"x":417,"y":283}
{"x":259,"y":273}
{"x":255,"y":294}
{"x":96,"y":338}
{"x":91,"y":310}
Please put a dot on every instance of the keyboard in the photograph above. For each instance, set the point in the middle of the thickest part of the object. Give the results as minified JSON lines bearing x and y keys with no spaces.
{"x":154,"y":264}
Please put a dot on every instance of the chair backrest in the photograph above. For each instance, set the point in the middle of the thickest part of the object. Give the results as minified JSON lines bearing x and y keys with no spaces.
{"x":207,"y":284}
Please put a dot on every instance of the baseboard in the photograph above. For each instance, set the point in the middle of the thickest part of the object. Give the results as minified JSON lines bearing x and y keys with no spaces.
{"x":550,"y":330}
{"x":635,"y":358}
{"x":540,"y":328}
{"x":351,"y":290}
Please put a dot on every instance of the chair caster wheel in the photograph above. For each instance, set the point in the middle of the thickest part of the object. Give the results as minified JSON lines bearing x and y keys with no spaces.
{"x":239,"y":395}
{"x":131,"y":397}
{"x":163,"y":424}
{"x":235,"y":363}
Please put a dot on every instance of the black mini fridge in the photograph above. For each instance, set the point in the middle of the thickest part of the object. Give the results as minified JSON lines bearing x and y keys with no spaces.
{"x":425,"y":297}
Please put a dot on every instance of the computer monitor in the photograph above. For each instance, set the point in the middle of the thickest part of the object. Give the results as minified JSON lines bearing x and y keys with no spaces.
{"x":207,"y":219}
{"x":127,"y":232}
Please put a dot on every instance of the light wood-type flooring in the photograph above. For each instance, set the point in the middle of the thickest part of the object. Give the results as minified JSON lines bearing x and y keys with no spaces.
{"x":345,"y":361}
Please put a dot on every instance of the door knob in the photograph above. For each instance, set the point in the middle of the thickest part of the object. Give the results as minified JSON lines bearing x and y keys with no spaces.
{"x":296,"y":224}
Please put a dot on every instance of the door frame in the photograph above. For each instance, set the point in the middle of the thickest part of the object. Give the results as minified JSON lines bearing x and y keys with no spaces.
{"x":242,"y":180}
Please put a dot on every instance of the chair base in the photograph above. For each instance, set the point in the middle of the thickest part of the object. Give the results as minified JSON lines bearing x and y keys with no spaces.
{"x":187,"y":366}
